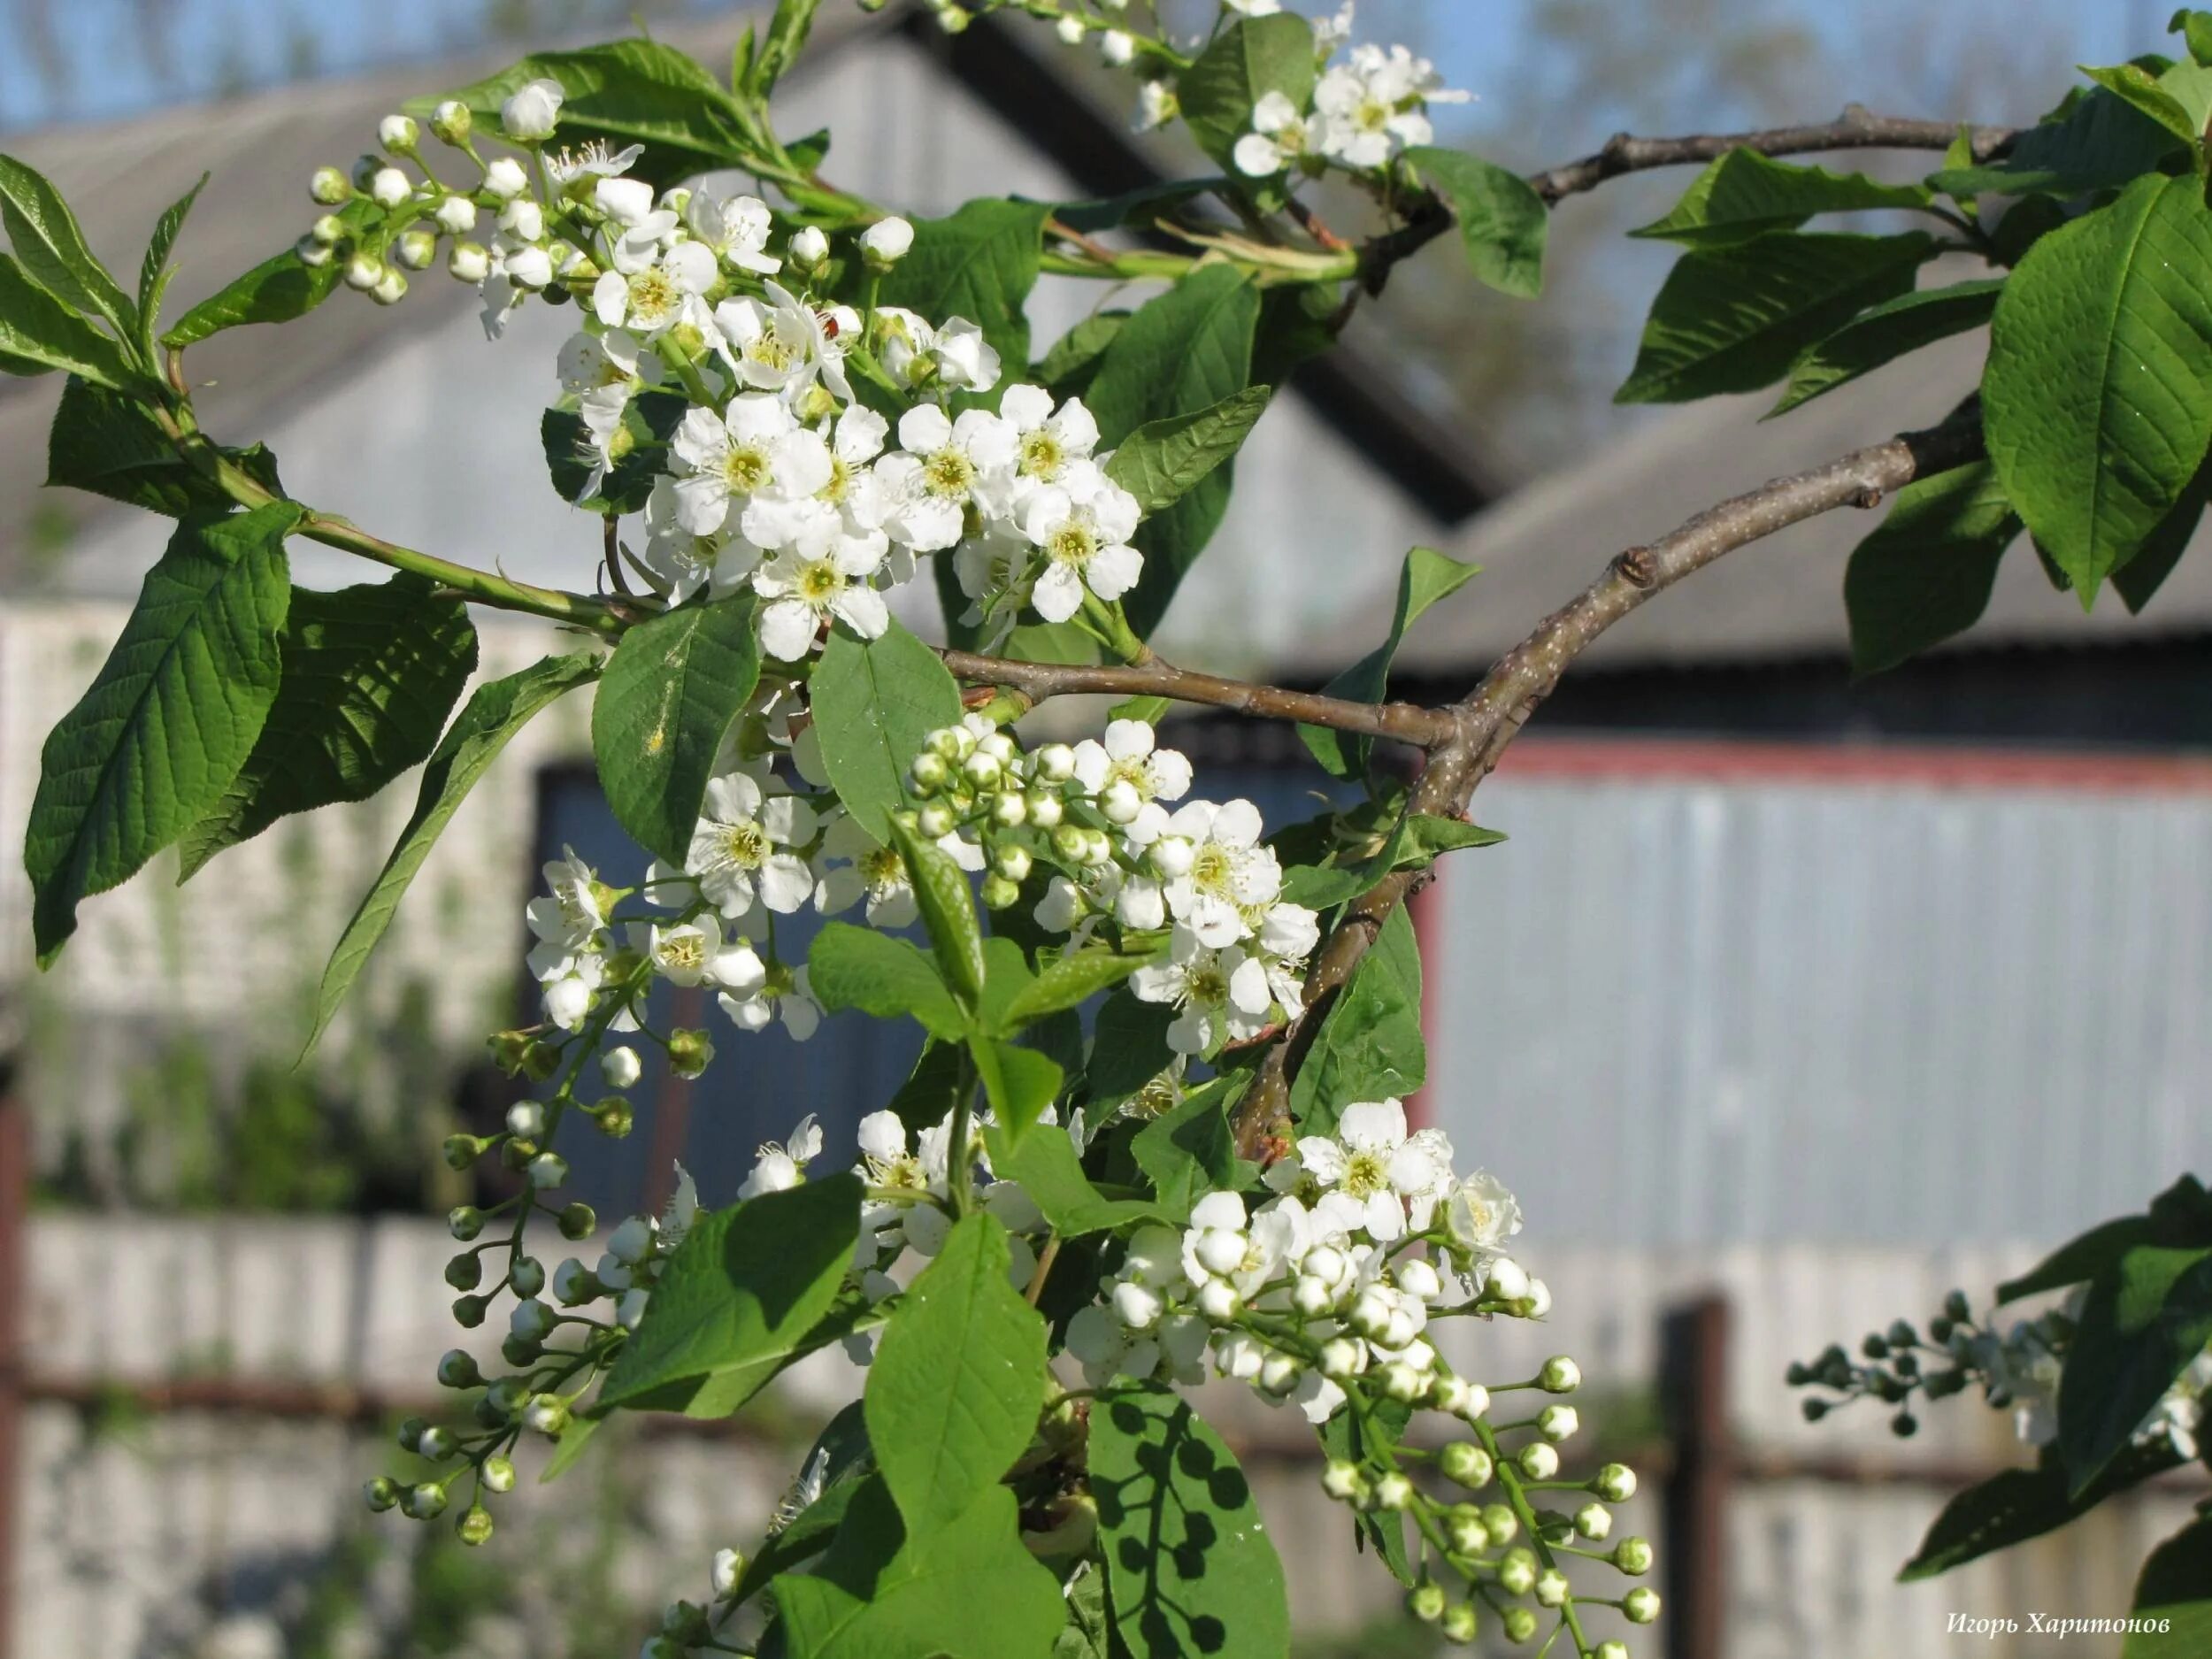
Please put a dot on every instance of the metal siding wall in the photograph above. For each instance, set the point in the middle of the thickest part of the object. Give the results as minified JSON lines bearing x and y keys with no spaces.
{"x":1714,"y":1011}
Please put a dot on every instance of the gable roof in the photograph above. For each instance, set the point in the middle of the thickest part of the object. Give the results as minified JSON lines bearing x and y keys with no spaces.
{"x":121,"y":175}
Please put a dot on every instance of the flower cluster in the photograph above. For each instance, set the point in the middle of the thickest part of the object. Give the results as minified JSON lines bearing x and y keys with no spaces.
{"x":2016,"y":1368}
{"x":1364,"y":111}
{"x":772,"y":476}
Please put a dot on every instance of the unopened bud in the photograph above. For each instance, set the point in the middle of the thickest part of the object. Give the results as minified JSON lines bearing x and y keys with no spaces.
{"x":464,"y":1222}
{"x":1461,"y":1624}
{"x":425,"y":1502}
{"x":1046,"y":809}
{"x":469,"y":262}
{"x":1560,"y":1375}
{"x":1519,"y":1625}
{"x":380,"y":1493}
{"x":547,"y":1414}
{"x":808,"y":250}
{"x":469,"y":1311}
{"x":1468,"y":1463}
{"x":391,"y":287}
{"x":1516,"y":1572}
{"x":1393,"y":1491}
{"x":729,"y":1567}
{"x":464,"y":1271}
{"x":929,"y":772}
{"x":1641,"y":1605}
{"x":1557,"y":1423}
{"x":1427,"y":1601}
{"x":1594,"y":1521}
{"x":578,"y":1221}
{"x":475,"y":1525}
{"x":934,"y":821}
{"x":689,"y":1053}
{"x":388,"y":187}
{"x":527,"y":1277}
{"x":363,"y":272}
{"x":1632,"y":1556}
{"x":457,"y":1369}
{"x":329,"y":187}
{"x":499,"y":1474}
{"x":614,"y":1117}
{"x":1538,"y":1460}
{"x":399,"y":133}
{"x":884,"y":243}
{"x":999,"y":893}
{"x":1342,"y":1480}
{"x":549,"y":1170}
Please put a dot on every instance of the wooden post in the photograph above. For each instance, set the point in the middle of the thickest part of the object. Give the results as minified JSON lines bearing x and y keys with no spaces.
{"x":1693,"y":1555}
{"x":15,"y":1187}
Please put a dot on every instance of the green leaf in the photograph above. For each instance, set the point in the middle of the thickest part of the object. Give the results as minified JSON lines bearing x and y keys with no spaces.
{"x":2195,"y":28}
{"x":2089,"y":143}
{"x":780,"y":48}
{"x":1503,"y":221}
{"x":2098,"y":397}
{"x":1049,"y":1173}
{"x":1067,"y":370}
{"x":2146,"y":1317}
{"x":1882,"y":334}
{"x":980,"y":264}
{"x":650,"y":418}
{"x":2173,"y":1598}
{"x":1182,"y":352}
{"x":674,"y":688}
{"x":943,"y":1076}
{"x":154,"y":270}
{"x":1068,"y":982}
{"x":1426,"y":577}
{"x":47,"y":240}
{"x":1926,"y":573}
{"x":369,"y":675}
{"x":625,"y":92}
{"x":2142,"y":576}
{"x":846,"y":1460}
{"x":965,"y":1589}
{"x":743,"y":1292}
{"x":1145,"y":205}
{"x":1189,"y":1151}
{"x":948,"y":908}
{"x":279,"y":289}
{"x":171,"y":716}
{"x":38,"y":334}
{"x":1191,"y":1569}
{"x":858,"y":967}
{"x":1744,"y":194}
{"x":1733,"y":318}
{"x":1018,"y":1082}
{"x":107,"y":443}
{"x":1251,"y":57}
{"x":496,"y":711}
{"x":959,"y":1378}
{"x":2023,"y":1504}
{"x":1369,"y":1047}
{"x":873,"y":702}
{"x":1128,"y":1046}
{"x":1162,"y":461}
{"x":568,"y":1450}
{"x":2136,"y":86}
{"x":2080,"y":1259}
{"x":1349,"y":1437}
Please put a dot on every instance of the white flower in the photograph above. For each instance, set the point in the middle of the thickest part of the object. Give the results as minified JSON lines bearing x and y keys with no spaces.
{"x":1130,"y":755}
{"x":739,"y":851}
{"x":1083,"y":523}
{"x":652,"y":294}
{"x":736,"y":227}
{"x":620,"y":1067}
{"x":888,"y":240}
{"x":568,"y":995}
{"x":1046,"y":442}
{"x":1368,"y":108}
{"x":823,"y":574}
{"x":696,"y":953}
{"x":873,"y":871}
{"x":1157,"y":106}
{"x":1371,"y":1161}
{"x":687,"y":562}
{"x":505,"y":178}
{"x":783,"y":994}
{"x":680,"y":1212}
{"x":1230,"y":872}
{"x":941,"y":465}
{"x":1106,"y":1348}
{"x":754,"y":446}
{"x":810,"y":247}
{"x":1255,"y":8}
{"x":1481,"y":1214}
{"x":966,"y":362}
{"x":779,"y":347}
{"x":567,"y":921}
{"x":1279,"y":137}
{"x":591,"y":159}
{"x":1211,"y":991}
{"x":532,"y":111}
{"x":778,"y":1168}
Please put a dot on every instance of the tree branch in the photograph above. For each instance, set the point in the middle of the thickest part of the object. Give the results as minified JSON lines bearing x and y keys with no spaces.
{"x":1489,"y":717}
{"x":1032,"y":683}
{"x":1857,"y":128}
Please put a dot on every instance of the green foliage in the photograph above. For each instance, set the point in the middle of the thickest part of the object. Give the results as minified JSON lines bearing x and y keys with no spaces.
{"x":2019,"y":1504}
{"x":958,"y":1379}
{"x":966,"y":1589}
{"x":1926,"y":573}
{"x":874,"y":701}
{"x":1189,"y":1151}
{"x":1068,"y":368}
{"x":1191,"y":1570}
{"x":887,"y":978}
{"x":2175,"y":105}
{"x":739,"y":1300}
{"x":629,"y":91}
{"x":1426,"y":577}
{"x":1884,"y":333}
{"x":1181,"y":353}
{"x":1129,"y":1046}
{"x":52,"y":249}
{"x":1744,"y":193}
{"x":2147,"y":1315}
{"x":1370,"y":1045}
{"x":38,"y":334}
{"x":1050,"y":1173}
{"x":369,"y":675}
{"x":647,"y":419}
{"x":171,"y":718}
{"x":2098,"y":397}
{"x":279,"y":289}
{"x":2173,"y":1597}
{"x":1734,"y":318}
{"x":675,"y":684}
{"x":1069,"y":981}
{"x":1346,"y":1435}
{"x":106,"y":443}
{"x":980,"y":264}
{"x":1018,"y":1082}
{"x":941,"y":890}
{"x":496,"y":711}
{"x":1162,"y":461}
{"x":1503,"y":221}
{"x":1242,"y":64}
{"x":2091,"y":142}
{"x":155,"y":269}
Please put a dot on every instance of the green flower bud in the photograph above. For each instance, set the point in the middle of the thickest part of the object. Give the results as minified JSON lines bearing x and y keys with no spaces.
{"x":380,"y":1493}
{"x":1904,"y":1425}
{"x":578,"y":1221}
{"x":540,"y":1061}
{"x":416,"y":249}
{"x":1797,"y":1376}
{"x":1560,"y":1376}
{"x":1903,"y":1335}
{"x":999,"y":893}
{"x":1641,"y":1605}
{"x":475,"y":1525}
{"x":1957,"y":1308}
{"x":464,"y":1271}
{"x":1519,"y":1623}
{"x":1502,"y":1523}
{"x":928,"y":772}
{"x":451,"y":121}
{"x":509,"y":1394}
{"x":1594,"y":1521}
{"x":425,"y":1502}
{"x":614,"y":1117}
{"x":1874,"y":1346}
{"x":1467,"y":1463}
{"x":527,"y":1275}
{"x":459,"y":1370}
{"x":1426,"y":1601}
{"x":464,"y":1222}
{"x":1610,"y":1649}
{"x":1538,"y":1460}
{"x":1633,"y":1556}
{"x":690,"y":1052}
{"x":1464,"y":1526}
{"x":1558,"y":1422}
{"x":329,"y":187}
{"x":1461,"y":1624}
{"x":1813,"y":1410}
{"x":1551,"y":1587}
{"x":1393,"y":1491}
{"x":1616,"y":1483}
{"x":520,"y":1350}
{"x":399,"y":133}
{"x":499,"y":1474}
{"x":1516,"y":1572}
{"x":469,"y":1311}
{"x":463,"y":1150}
{"x":409,"y":1433}
{"x":934,"y":821}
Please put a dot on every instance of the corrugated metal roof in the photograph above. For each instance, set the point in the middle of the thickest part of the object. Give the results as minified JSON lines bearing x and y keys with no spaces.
{"x":1694,"y":1012}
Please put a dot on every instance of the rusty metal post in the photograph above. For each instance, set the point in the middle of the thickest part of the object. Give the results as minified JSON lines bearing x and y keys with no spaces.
{"x":1693,"y":1393}
{"x":15,"y":1192}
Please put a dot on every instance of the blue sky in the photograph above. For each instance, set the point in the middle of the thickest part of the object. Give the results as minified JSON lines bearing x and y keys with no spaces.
{"x":93,"y":60}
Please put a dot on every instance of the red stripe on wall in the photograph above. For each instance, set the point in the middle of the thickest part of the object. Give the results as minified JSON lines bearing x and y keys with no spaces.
{"x":1925,"y":765}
